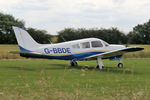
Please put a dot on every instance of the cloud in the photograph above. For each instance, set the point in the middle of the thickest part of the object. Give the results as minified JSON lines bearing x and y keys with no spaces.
{"x":55,"y":15}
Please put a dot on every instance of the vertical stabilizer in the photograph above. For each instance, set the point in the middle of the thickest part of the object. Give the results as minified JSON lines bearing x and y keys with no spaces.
{"x":25,"y":41}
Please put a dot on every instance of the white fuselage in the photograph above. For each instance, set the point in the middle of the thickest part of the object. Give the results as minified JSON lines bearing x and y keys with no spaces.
{"x":77,"y":49}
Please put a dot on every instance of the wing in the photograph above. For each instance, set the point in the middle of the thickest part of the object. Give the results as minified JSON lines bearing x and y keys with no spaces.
{"x":115,"y":53}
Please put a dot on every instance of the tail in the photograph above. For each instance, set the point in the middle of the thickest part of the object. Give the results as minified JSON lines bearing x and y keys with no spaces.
{"x":25,"y":41}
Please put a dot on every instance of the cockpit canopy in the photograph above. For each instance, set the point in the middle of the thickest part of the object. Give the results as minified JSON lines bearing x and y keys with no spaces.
{"x":91,"y":44}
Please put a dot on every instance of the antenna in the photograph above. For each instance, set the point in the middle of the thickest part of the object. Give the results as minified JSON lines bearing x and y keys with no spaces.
{"x":50,"y":41}
{"x":63,"y":38}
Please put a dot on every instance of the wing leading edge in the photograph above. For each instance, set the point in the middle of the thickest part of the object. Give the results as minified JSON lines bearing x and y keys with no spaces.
{"x":115,"y":53}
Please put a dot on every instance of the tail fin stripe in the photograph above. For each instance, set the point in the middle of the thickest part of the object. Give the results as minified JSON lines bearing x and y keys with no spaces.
{"x":23,"y":49}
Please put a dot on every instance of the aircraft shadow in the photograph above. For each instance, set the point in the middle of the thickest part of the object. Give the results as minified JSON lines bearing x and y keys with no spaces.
{"x":108,"y":69}
{"x":63,"y":66}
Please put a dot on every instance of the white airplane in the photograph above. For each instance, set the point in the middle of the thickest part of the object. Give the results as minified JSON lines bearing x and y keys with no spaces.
{"x":71,"y":50}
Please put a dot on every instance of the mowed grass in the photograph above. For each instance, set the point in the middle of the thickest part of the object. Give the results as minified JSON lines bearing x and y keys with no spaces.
{"x":4,"y":49}
{"x":140,"y":54}
{"x":36,"y":79}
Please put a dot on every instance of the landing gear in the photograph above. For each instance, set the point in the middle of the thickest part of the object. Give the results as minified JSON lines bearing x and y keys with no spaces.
{"x":120,"y":65}
{"x":73,"y":63}
{"x":100,"y":63}
{"x":97,"y":67}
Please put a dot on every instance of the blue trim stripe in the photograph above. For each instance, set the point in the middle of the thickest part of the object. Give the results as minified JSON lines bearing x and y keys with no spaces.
{"x":20,"y":27}
{"x":24,"y":50}
{"x":78,"y":56}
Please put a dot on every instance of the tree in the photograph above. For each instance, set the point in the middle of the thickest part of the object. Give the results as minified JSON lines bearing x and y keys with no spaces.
{"x":112,"y":35}
{"x":140,"y":34}
{"x":6,"y":32}
{"x":40,"y":36}
{"x":7,"y":35}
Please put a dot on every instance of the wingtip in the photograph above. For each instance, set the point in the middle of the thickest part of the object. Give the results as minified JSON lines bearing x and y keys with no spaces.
{"x":140,"y":48}
{"x":134,"y":49}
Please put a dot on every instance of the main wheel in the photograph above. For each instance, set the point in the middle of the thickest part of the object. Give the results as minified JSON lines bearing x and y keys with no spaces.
{"x":97,"y":67}
{"x":120,"y":65}
{"x":74,"y":63}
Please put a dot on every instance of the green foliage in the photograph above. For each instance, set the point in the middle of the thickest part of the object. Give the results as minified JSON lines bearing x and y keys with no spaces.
{"x":112,"y":35}
{"x":7,"y":35}
{"x":140,"y":34}
{"x":6,"y":32}
{"x":40,"y":36}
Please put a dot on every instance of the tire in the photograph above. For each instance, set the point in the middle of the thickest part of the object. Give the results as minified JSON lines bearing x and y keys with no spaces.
{"x":97,"y":67}
{"x":74,"y":63}
{"x":120,"y":65}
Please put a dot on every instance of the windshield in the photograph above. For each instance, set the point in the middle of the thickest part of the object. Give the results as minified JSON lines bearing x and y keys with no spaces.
{"x":106,"y":44}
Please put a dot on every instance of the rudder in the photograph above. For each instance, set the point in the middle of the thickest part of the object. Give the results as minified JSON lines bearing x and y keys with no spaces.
{"x":25,"y":41}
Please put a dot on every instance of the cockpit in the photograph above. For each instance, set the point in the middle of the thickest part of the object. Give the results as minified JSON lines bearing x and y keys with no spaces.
{"x":91,"y":44}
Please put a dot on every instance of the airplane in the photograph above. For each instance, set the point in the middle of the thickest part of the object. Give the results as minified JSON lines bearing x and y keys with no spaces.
{"x":72,"y":50}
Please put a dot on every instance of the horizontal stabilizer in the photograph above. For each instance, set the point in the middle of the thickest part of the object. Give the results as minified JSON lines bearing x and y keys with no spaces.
{"x":19,"y":52}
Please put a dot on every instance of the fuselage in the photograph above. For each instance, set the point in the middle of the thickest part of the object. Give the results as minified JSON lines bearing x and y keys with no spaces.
{"x":77,"y":49}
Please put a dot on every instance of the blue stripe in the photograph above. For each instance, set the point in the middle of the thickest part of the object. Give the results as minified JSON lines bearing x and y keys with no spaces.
{"x":78,"y":56}
{"x":23,"y":49}
{"x":20,"y":27}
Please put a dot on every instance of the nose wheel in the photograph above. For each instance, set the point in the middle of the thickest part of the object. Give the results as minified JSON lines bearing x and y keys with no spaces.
{"x":120,"y":65}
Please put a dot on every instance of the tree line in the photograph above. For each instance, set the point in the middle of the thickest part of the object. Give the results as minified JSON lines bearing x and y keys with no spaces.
{"x":7,"y":35}
{"x":139,"y":35}
{"x":112,"y":35}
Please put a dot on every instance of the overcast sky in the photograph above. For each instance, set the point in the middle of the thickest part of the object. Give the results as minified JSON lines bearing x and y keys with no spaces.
{"x":55,"y":15}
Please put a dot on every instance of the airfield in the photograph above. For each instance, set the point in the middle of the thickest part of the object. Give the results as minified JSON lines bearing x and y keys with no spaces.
{"x":41,"y":79}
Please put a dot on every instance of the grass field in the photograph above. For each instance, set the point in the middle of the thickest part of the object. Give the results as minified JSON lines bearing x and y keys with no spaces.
{"x":37,"y":79}
{"x":56,"y":80}
{"x":141,"y":54}
{"x":4,"y":52}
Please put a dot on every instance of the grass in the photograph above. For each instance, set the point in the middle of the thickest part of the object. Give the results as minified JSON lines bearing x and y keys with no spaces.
{"x":29,"y":79}
{"x":37,"y":79}
{"x":4,"y":52}
{"x":141,"y":54}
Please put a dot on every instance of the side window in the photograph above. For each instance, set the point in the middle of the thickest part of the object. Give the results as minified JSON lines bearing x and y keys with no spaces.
{"x":96,"y":44}
{"x":76,"y":46}
{"x":106,"y":44}
{"x":85,"y":45}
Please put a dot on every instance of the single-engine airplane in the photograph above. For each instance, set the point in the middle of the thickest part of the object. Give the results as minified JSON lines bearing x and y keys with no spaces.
{"x":71,"y":50}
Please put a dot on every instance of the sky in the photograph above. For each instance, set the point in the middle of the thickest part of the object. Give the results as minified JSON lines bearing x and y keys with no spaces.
{"x":55,"y":15}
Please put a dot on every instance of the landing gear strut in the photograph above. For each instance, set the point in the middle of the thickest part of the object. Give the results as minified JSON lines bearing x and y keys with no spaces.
{"x":73,"y":63}
{"x":100,"y":63}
